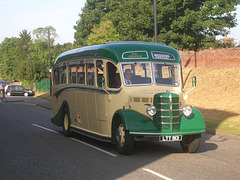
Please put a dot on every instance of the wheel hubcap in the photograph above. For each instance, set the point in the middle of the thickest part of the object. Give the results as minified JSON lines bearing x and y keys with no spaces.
{"x":65,"y":122}
{"x":120,"y":135}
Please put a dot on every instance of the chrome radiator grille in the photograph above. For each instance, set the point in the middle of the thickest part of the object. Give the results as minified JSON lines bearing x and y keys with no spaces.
{"x":167,"y":116}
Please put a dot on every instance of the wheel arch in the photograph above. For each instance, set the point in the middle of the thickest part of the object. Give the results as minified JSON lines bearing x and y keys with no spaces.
{"x":58,"y":118}
{"x":115,"y":121}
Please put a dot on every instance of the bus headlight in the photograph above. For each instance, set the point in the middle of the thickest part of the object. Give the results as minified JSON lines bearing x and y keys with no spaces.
{"x":151,"y":110}
{"x":187,"y":110}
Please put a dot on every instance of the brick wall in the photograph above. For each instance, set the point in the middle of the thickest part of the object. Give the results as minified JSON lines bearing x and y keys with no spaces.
{"x":228,"y":57}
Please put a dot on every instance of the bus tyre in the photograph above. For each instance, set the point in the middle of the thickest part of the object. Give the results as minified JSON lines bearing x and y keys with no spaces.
{"x":66,"y":123}
{"x":191,"y":143}
{"x":124,"y":141}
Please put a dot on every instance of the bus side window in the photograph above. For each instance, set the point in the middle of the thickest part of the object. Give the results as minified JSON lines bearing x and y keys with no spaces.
{"x":99,"y":72}
{"x":72,"y":74}
{"x":113,"y":76}
{"x":81,"y":74}
{"x":56,"y":76}
{"x":62,"y":72}
{"x":90,"y":74}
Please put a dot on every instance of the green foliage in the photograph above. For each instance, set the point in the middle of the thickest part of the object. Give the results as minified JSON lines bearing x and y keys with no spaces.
{"x":133,"y":19}
{"x":183,"y":24}
{"x":27,"y":61}
{"x":103,"y":33}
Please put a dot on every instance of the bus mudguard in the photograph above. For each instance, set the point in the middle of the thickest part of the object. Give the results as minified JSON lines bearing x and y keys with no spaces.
{"x":193,"y":123}
{"x":135,"y":121}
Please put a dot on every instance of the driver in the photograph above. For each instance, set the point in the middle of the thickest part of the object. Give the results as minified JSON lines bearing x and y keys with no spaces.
{"x":128,"y":75}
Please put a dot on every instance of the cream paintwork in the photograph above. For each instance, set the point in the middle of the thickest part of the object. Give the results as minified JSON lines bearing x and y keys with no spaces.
{"x":93,"y":111}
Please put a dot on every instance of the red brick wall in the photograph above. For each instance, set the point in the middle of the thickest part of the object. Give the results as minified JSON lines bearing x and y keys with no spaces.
{"x":228,"y":57}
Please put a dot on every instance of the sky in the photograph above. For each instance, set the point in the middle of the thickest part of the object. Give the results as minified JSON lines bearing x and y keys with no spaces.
{"x":17,"y":15}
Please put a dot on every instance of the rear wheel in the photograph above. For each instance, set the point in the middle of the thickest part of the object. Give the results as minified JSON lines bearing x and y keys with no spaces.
{"x":66,"y":123}
{"x":191,"y":143}
{"x":124,"y":141}
{"x":25,"y":94}
{"x":8,"y":94}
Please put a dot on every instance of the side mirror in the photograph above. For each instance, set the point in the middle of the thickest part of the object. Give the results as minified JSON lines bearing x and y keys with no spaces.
{"x":194,"y":81}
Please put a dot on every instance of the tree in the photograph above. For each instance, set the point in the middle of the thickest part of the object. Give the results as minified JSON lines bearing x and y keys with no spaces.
{"x":24,"y":70}
{"x":133,"y":19}
{"x":194,"y":24}
{"x":8,"y":57}
{"x":21,"y":56}
{"x":91,"y":15}
{"x":183,"y":24}
{"x":104,"y":32}
{"x":46,"y":33}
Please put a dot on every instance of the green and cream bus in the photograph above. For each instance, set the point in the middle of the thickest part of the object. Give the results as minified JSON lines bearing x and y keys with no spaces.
{"x":122,"y":92}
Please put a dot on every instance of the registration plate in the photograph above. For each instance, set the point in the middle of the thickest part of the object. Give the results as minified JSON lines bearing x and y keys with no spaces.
{"x":170,"y":138}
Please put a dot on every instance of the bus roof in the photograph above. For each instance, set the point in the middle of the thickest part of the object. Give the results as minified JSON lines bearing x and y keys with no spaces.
{"x":124,"y":52}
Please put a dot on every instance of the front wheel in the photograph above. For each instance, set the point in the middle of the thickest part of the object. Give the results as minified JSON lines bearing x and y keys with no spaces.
{"x":66,"y":123}
{"x":124,"y":141}
{"x":191,"y":143}
{"x":8,"y":94}
{"x":25,"y":94}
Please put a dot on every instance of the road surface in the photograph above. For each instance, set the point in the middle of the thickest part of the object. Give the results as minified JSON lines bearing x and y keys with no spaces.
{"x":33,"y":148}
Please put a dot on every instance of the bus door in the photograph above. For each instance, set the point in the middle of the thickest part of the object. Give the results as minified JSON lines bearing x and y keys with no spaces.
{"x":104,"y":98}
{"x":81,"y":101}
{"x":90,"y":95}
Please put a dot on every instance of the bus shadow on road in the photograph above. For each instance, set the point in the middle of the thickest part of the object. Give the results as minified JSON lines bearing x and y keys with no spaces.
{"x":152,"y":149}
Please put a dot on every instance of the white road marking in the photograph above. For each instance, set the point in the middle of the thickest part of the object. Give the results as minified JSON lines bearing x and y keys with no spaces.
{"x":45,"y":128}
{"x":94,"y":147}
{"x":157,"y":174}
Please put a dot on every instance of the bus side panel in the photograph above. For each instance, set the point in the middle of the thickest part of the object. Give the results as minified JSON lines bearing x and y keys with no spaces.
{"x":101,"y":109}
{"x":91,"y":111}
{"x":194,"y":123}
{"x":72,"y":106}
{"x":81,"y":109}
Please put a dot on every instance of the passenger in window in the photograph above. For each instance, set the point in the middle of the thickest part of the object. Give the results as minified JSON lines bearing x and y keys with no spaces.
{"x":128,"y":76}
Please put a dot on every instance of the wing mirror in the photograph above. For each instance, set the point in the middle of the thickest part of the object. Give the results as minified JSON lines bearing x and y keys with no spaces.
{"x":194,"y":81}
{"x":194,"y":84}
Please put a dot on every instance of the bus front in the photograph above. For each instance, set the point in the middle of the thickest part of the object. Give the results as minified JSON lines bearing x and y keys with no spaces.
{"x":156,"y":109}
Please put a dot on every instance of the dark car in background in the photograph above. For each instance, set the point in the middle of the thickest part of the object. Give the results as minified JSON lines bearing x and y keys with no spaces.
{"x":15,"y":90}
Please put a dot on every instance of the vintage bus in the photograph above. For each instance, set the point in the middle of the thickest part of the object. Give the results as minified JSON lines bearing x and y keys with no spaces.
{"x":122,"y":92}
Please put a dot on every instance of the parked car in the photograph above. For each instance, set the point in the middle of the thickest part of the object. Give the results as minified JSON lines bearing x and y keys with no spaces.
{"x":16,"y":90}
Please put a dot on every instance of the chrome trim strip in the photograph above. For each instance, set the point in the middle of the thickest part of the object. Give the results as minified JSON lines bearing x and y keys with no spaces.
{"x":168,"y":123}
{"x":164,"y":110}
{"x":164,"y":103}
{"x":139,"y":133}
{"x":164,"y":116}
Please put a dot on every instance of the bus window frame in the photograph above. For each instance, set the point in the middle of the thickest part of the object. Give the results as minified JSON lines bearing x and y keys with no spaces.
{"x":88,"y":62}
{"x":80,"y":63}
{"x":107,"y":75}
{"x":137,"y":62}
{"x":166,"y":63}
{"x":70,"y":65}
